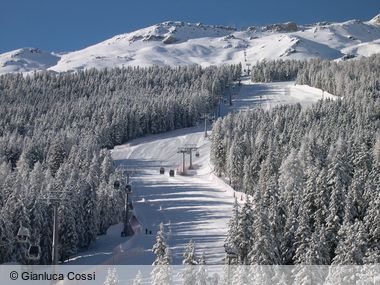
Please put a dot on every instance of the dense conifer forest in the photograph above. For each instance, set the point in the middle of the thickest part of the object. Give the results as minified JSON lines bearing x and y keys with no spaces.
{"x":313,"y":174}
{"x":55,"y":132}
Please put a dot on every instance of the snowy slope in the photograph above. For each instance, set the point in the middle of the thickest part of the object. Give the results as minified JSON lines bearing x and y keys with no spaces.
{"x":26,"y":59}
{"x":179,"y":43}
{"x":269,"y":95}
{"x":196,"y":206}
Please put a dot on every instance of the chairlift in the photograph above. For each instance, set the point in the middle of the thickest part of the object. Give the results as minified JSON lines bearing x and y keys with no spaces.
{"x":162,"y":170}
{"x":197,"y":154}
{"x":34,"y":252}
{"x":171,"y":172}
{"x":23,"y":234}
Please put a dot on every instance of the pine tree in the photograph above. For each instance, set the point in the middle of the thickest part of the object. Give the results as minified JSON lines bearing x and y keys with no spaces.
{"x":112,"y":278}
{"x":90,"y":215}
{"x":106,"y":167}
{"x":159,"y":248}
{"x":288,"y":241}
{"x":202,"y":274}
{"x":351,"y":248}
{"x":302,"y":237}
{"x":372,"y":223}
{"x":235,"y":164}
{"x":189,"y":257}
{"x":138,"y":279}
{"x":241,"y":275}
{"x":291,"y":180}
{"x":68,"y":243}
{"x":6,"y":238}
{"x":56,"y":155}
{"x":162,"y":272}
{"x":232,"y":234}
{"x":218,"y":151}
{"x":245,"y":232}
{"x":338,"y":176}
{"x":263,"y":251}
{"x":16,"y":212}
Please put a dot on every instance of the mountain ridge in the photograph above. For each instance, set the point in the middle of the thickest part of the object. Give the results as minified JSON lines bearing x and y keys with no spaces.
{"x":178,"y":43}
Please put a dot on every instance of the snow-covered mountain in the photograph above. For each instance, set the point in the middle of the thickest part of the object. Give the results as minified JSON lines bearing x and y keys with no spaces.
{"x":27,"y":59}
{"x":179,"y":43}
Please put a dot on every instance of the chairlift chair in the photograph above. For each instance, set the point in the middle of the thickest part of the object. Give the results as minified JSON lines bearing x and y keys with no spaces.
{"x":197,"y":154}
{"x":23,"y":234}
{"x":162,"y":170}
{"x":171,"y":172}
{"x":34,"y":252}
{"x":116,"y":184}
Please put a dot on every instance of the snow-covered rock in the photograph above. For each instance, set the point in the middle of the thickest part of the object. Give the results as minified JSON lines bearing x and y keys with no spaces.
{"x":282,"y":27}
{"x":375,"y":20}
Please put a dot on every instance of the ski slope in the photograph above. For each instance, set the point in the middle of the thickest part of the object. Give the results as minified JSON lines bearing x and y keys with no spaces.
{"x":180,"y":43}
{"x":269,"y":95}
{"x":197,"y":206}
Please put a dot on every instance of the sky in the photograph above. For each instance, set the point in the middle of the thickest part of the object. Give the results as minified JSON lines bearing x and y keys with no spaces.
{"x":67,"y":25}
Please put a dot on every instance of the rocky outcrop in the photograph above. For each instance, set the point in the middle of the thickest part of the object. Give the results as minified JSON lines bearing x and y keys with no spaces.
{"x":169,"y":39}
{"x":283,"y":27}
{"x":376,"y":20}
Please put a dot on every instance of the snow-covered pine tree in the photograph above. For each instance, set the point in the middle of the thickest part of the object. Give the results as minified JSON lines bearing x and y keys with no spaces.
{"x":351,"y":247}
{"x":162,"y":272}
{"x":6,"y":238}
{"x":138,"y":278}
{"x":112,"y":278}
{"x":202,"y":274}
{"x":159,"y":248}
{"x":263,"y":250}
{"x":231,"y":239}
{"x":68,"y":238}
{"x":245,"y":232}
{"x":56,"y":155}
{"x":189,"y":259}
{"x":235,"y":163}
{"x":218,"y":151}
{"x":189,"y":256}
{"x":90,"y":214}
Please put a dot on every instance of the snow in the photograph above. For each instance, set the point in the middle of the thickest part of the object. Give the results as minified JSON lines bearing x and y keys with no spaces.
{"x":268,"y":95}
{"x":364,"y":49}
{"x":196,"y":206}
{"x":179,"y":43}
{"x":26,"y":60}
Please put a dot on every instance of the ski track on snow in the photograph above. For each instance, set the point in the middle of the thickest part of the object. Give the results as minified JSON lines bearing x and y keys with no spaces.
{"x":195,"y":207}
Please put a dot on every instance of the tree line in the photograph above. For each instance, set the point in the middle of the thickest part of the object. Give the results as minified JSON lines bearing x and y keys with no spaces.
{"x":313,"y":174}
